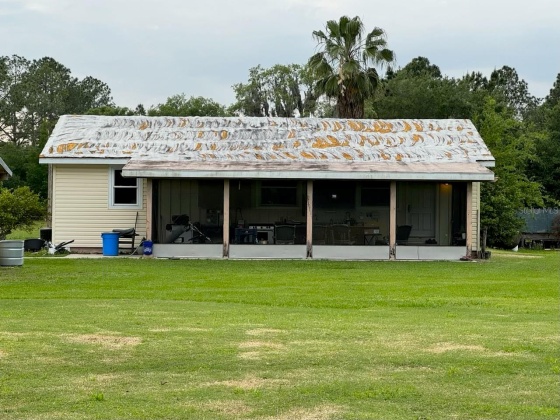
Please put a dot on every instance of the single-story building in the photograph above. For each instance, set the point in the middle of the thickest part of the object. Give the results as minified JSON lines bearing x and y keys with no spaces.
{"x":5,"y":172}
{"x":239,"y":187}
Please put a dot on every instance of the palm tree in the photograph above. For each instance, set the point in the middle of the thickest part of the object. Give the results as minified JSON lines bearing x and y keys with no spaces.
{"x":345,"y":68}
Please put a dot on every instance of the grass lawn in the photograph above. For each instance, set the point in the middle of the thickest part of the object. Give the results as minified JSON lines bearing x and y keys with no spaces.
{"x":176,"y":339}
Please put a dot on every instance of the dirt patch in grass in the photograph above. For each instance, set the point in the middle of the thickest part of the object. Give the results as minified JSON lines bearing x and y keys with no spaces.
{"x":260,"y":344}
{"x":263,"y":331}
{"x":322,"y":412}
{"x":250,"y":382}
{"x":445,"y":347}
{"x":3,"y":354}
{"x":250,"y":355}
{"x":107,"y":341}
{"x":515,"y":255}
{"x":230,"y":408}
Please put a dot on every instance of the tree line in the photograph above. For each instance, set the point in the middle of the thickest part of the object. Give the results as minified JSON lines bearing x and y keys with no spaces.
{"x":353,"y":75}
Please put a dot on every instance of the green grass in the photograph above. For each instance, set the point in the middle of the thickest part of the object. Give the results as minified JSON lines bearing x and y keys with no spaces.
{"x":32,"y":232}
{"x":168,"y":339}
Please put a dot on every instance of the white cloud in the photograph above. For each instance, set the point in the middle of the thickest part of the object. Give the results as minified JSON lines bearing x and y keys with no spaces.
{"x":147,"y":50}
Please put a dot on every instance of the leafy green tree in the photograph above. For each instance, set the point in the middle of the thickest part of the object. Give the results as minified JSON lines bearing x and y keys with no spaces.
{"x":280,"y":91}
{"x":421,"y":66}
{"x":505,"y":85}
{"x":545,"y":167}
{"x":345,"y":67}
{"x":180,"y":105}
{"x":553,"y":98}
{"x":513,"y":148}
{"x":110,"y":110}
{"x":19,"y":208}
{"x":421,"y":95}
{"x":33,"y":94}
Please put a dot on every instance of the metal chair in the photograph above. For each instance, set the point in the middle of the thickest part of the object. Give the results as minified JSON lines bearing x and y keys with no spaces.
{"x":403,"y":233}
{"x":342,"y":235}
{"x":127,"y":236}
{"x":284,"y":234}
{"x":320,"y":233}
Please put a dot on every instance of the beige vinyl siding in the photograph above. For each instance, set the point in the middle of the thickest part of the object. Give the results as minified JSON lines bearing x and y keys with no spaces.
{"x":81,"y":206}
{"x":475,"y":221}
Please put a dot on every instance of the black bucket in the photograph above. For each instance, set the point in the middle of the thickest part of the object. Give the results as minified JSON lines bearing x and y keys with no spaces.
{"x":33,"y":245}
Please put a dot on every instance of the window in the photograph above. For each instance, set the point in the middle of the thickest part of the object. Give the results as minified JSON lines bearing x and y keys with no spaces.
{"x":278,"y":193}
{"x":375,"y":194}
{"x":334,"y":194}
{"x":125,"y":192}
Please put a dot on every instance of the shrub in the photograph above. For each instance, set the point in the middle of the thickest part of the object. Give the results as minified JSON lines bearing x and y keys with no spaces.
{"x":19,"y":208}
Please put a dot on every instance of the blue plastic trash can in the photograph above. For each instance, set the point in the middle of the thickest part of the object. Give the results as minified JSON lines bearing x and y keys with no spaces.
{"x":148,"y":247}
{"x":110,"y":243}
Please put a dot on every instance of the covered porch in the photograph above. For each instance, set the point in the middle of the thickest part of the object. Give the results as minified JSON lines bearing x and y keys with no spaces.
{"x":346,"y":219}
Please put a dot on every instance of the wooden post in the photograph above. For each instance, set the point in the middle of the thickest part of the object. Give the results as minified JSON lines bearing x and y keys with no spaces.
{"x":225,"y":226}
{"x":309,"y":230}
{"x":393,"y":221}
{"x":149,"y":207}
{"x":468,"y":222}
{"x":50,"y":185}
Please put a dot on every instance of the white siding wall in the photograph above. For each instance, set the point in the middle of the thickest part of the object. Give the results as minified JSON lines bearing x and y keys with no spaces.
{"x":475,"y":221}
{"x":80,"y":206}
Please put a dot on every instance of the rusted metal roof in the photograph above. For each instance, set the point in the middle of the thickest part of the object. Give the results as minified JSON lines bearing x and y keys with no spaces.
{"x":258,"y":140}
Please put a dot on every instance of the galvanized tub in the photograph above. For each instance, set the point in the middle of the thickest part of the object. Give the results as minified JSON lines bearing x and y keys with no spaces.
{"x":11,"y":253}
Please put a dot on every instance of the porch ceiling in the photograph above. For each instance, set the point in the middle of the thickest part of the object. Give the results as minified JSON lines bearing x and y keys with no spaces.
{"x":445,"y":171}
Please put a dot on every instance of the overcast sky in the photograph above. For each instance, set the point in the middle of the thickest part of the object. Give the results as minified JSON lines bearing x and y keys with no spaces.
{"x":148,"y":50}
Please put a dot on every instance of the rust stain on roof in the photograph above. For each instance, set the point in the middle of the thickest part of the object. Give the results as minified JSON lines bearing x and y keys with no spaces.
{"x":262,"y":139}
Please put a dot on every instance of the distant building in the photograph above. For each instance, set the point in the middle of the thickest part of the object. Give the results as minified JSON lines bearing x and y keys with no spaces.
{"x":5,"y":172}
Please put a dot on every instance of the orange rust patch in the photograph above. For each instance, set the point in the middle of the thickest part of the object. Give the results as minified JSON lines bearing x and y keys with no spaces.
{"x":418,"y":126}
{"x":385,"y":156}
{"x":399,"y":157}
{"x":407,"y":126}
{"x":307,"y":155}
{"x":144,"y":125}
{"x":347,"y":156}
{"x":296,"y":144}
{"x":417,"y":137}
{"x":198,"y":146}
{"x":291,"y":134}
{"x":200,"y":134}
{"x":337,"y":126}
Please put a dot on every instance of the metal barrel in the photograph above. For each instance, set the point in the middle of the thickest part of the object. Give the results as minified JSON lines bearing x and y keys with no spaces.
{"x":11,"y":253}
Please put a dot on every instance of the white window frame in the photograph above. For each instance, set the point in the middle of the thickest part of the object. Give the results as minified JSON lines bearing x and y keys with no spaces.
{"x":112,"y":187}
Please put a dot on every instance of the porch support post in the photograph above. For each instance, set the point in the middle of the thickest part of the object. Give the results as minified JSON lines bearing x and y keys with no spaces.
{"x":468,"y":222}
{"x":225,"y":227}
{"x":393,"y":221}
{"x":309,"y":214}
{"x":149,"y":207}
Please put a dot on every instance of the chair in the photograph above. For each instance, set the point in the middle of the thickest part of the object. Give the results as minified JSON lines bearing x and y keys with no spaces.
{"x":127,"y":236}
{"x":284,"y":234}
{"x":403,"y":232}
{"x":342,"y":235}
{"x":320,"y":233}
